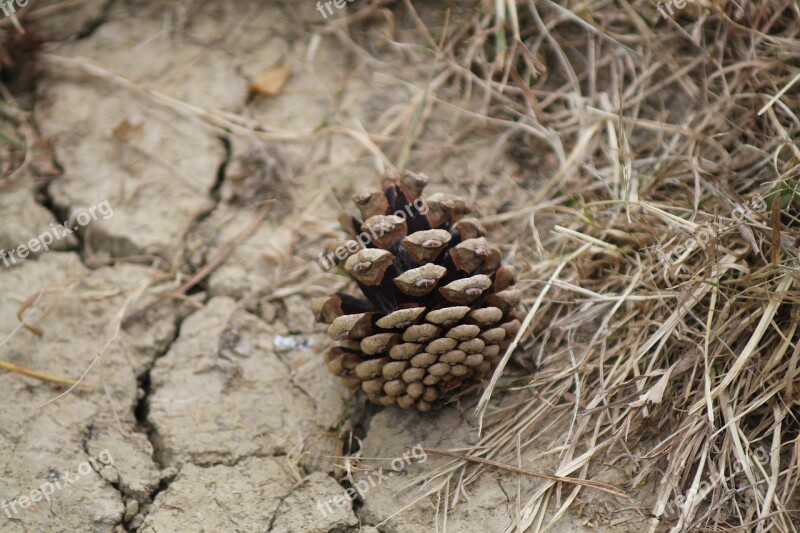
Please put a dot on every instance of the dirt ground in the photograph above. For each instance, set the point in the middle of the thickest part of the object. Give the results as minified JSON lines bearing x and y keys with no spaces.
{"x":207,"y":396}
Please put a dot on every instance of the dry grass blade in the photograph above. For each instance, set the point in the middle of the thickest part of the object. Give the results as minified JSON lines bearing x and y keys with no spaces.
{"x":605,"y":487}
{"x":43,"y":376}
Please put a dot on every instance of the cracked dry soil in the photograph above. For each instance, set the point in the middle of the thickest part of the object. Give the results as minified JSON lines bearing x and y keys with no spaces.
{"x":210,"y":396}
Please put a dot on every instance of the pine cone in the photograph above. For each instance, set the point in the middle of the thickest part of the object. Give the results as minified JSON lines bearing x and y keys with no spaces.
{"x":439,"y":310}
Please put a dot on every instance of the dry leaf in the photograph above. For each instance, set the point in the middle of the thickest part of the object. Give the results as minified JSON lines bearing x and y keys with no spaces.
{"x":124,"y":130}
{"x":271,"y":81}
{"x":656,"y":393}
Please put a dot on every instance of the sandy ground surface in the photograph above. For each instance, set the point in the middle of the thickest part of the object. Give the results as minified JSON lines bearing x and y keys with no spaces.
{"x":211,"y":406}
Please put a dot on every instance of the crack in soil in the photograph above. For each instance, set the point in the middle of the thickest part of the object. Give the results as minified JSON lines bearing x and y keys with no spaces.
{"x":144,"y":426}
{"x":117,"y":486}
{"x":358,"y":434}
{"x":142,"y":408}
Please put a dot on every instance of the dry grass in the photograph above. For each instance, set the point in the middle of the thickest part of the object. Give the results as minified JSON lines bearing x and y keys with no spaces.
{"x":658,"y":129}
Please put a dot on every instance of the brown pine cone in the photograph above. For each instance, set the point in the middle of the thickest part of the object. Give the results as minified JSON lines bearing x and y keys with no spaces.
{"x":439,"y":309}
